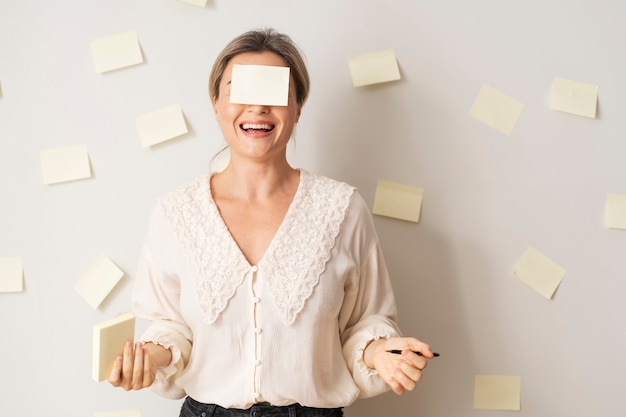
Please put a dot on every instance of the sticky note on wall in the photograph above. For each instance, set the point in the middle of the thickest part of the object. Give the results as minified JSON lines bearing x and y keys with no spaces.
{"x":497,"y":392}
{"x":67,"y":163}
{"x":574,"y":97}
{"x":615,"y":211}
{"x":115,"y":52}
{"x":98,"y":281}
{"x":398,"y":201}
{"x":201,"y":3}
{"x":496,"y":109}
{"x":11,"y":274}
{"x":539,"y":272}
{"x":161,"y":125}
{"x":260,"y":84}
{"x":374,"y":68}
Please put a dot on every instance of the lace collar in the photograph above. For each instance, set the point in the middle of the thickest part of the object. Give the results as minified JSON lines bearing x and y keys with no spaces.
{"x":292,"y":263}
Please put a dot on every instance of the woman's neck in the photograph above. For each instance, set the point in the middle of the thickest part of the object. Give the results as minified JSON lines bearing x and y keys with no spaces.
{"x":255,"y":183}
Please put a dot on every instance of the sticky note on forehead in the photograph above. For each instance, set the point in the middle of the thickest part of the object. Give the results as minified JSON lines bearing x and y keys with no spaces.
{"x":259,"y":84}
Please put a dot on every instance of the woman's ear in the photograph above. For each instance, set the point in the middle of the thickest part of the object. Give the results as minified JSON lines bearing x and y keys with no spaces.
{"x":215,"y":111}
{"x":298,"y":112}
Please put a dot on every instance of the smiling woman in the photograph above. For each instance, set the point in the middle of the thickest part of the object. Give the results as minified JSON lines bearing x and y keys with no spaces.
{"x":261,"y":269}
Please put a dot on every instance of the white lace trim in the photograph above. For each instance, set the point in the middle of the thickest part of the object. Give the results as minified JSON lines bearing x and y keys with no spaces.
{"x":294,"y":260}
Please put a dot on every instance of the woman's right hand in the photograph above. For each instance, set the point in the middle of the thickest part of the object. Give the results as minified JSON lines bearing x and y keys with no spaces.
{"x":136,"y":367}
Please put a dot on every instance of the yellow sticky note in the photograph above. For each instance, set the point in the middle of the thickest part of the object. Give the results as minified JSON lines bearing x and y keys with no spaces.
{"x":398,"y":201}
{"x":201,"y":3}
{"x":98,"y":281}
{"x":496,"y":109}
{"x":374,"y":68}
{"x":135,"y":412}
{"x":115,"y":52}
{"x":161,"y":125}
{"x":539,"y":272}
{"x":615,"y":211}
{"x":108,"y":338}
{"x":497,"y":392}
{"x":11,"y":274}
{"x":67,"y":163}
{"x":259,"y":84}
{"x":574,"y":97}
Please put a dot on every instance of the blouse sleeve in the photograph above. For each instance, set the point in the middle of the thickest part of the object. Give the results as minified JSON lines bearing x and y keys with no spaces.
{"x":369,"y":311}
{"x":156,"y":298}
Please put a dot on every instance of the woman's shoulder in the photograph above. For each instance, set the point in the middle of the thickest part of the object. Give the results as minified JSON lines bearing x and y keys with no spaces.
{"x":192,"y":190}
{"x":325,"y":183}
{"x":320,"y":181}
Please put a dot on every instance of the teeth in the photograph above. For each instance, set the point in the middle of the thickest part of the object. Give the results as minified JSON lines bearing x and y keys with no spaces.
{"x":256,"y":126}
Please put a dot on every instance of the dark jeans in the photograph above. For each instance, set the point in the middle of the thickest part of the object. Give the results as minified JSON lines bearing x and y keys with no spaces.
{"x":193,"y":408}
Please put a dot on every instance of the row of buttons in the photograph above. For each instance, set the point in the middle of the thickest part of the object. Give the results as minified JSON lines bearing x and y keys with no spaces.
{"x":257,"y":331}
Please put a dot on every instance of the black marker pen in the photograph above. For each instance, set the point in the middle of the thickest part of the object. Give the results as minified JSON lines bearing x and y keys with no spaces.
{"x":398,"y":351}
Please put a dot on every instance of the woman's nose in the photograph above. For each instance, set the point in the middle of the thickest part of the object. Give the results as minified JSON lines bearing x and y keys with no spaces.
{"x":258,"y":108}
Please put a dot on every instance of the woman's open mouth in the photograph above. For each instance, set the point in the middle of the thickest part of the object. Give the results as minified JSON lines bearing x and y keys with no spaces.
{"x":257,"y":127}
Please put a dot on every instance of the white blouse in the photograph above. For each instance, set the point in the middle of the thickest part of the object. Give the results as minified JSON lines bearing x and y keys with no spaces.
{"x":290,"y":329}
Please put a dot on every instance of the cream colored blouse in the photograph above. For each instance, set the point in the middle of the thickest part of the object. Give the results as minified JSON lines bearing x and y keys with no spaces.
{"x":290,"y":329}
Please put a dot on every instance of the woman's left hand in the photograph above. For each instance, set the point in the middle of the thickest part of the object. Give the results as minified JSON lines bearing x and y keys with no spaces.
{"x":400,"y":371}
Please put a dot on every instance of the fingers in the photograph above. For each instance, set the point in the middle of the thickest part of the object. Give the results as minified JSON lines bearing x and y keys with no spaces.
{"x":396,"y":361}
{"x":407,"y":367}
{"x":427,"y":352}
{"x":416,"y":345}
{"x":405,"y":378}
{"x":134,"y":369}
{"x":413,"y":362}
{"x":127,"y":365}
{"x":407,"y":373}
{"x":137,"y":379}
{"x":115,"y":376}
{"x":396,"y":387}
{"x":121,"y":366}
{"x":412,"y":344}
{"x":417,"y":361}
{"x":149,"y":373}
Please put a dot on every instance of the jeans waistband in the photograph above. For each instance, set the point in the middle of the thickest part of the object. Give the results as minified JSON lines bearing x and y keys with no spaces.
{"x":194,"y":408}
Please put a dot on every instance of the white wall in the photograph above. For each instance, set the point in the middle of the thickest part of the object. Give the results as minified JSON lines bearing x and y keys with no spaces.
{"x":487,"y":195}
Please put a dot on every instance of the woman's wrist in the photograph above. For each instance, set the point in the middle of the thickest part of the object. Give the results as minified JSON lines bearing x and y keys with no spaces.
{"x":161,"y":354}
{"x":370,"y":352}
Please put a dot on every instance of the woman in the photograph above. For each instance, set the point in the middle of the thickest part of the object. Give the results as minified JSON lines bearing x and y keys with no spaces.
{"x":265,"y":285}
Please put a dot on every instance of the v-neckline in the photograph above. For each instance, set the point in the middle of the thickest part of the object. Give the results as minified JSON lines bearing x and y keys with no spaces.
{"x":279,"y":231}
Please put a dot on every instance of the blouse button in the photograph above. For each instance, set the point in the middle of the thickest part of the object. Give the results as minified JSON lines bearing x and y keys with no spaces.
{"x":257,"y":330}
{"x":257,"y":363}
{"x":255,"y":268}
{"x":256,"y":300}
